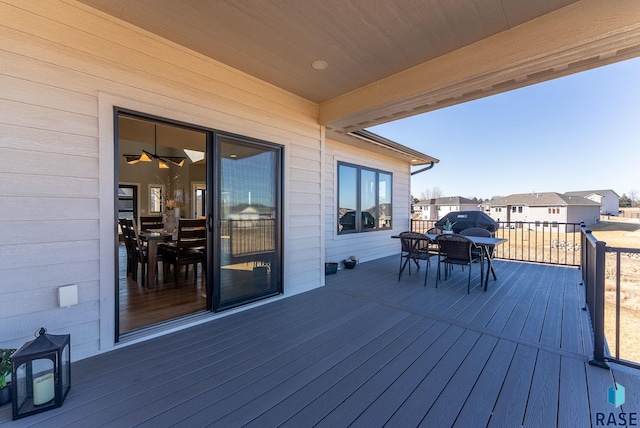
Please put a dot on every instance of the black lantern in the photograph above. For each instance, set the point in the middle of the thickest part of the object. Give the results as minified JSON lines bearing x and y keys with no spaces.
{"x":41,"y":374}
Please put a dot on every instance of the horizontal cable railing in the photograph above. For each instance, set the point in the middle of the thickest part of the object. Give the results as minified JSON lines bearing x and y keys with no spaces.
{"x":535,"y":241}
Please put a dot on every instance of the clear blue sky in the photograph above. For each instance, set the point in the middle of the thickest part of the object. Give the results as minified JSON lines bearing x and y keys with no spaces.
{"x":579,"y":132}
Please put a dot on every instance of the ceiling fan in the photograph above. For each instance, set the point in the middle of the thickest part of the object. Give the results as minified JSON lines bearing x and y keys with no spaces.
{"x":163,"y":161}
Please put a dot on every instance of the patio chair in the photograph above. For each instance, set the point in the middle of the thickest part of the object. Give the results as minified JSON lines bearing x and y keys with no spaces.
{"x":476,"y":231}
{"x":479,"y":231}
{"x":434,"y":231}
{"x":457,"y":250}
{"x":189,"y":249}
{"x":414,"y":247}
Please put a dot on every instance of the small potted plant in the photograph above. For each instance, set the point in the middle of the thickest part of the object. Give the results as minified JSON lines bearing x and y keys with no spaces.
{"x":350,"y":263}
{"x":5,"y":370}
{"x":448,"y":227}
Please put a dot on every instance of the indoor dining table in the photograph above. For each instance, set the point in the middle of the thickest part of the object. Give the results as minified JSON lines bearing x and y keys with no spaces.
{"x":152,"y":238}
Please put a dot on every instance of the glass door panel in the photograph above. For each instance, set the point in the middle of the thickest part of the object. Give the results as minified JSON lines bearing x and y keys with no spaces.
{"x":249,"y":222}
{"x":164,"y":159}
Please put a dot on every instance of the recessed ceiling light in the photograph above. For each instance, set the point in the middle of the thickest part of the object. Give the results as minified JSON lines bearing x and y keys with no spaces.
{"x":319,"y":64}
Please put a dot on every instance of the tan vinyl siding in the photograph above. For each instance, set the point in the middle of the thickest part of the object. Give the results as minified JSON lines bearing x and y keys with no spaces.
{"x":64,"y":66}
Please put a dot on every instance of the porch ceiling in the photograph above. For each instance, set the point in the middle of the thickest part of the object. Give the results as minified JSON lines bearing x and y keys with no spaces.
{"x":389,"y":59}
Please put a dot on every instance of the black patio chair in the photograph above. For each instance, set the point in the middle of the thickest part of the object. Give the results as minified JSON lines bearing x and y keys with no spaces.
{"x":457,"y":250}
{"x":479,"y":231}
{"x":414,"y":247}
{"x":476,"y":231}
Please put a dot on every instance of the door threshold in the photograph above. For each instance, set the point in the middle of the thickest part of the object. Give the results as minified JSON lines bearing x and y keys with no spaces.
{"x":160,"y":329}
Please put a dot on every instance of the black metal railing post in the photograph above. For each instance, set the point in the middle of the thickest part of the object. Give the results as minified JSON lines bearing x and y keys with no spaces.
{"x":593,"y":269}
{"x":598,"y":321}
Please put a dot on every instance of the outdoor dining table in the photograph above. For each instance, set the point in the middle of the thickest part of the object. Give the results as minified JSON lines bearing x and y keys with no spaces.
{"x":152,"y":238}
{"x":486,"y":244}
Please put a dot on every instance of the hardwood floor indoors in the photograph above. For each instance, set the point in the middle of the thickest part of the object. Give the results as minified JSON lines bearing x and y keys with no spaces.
{"x":142,"y":307}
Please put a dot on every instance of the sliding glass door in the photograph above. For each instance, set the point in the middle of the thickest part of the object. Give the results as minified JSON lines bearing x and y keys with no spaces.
{"x":170,"y":174}
{"x":250,"y":216}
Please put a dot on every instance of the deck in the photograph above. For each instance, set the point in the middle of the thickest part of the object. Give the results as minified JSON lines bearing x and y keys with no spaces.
{"x":367,"y":350}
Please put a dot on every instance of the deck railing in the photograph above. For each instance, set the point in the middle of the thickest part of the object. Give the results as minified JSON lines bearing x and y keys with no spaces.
{"x":612,"y":300}
{"x":535,"y":241}
{"x":603,"y":272}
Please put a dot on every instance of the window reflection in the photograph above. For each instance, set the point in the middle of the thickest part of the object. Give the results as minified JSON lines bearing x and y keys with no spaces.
{"x":364,"y":199}
{"x":249,"y":223}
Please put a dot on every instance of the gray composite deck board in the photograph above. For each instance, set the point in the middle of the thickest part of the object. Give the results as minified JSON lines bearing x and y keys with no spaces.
{"x":112,"y":394}
{"x":383,"y":408}
{"x":552,"y":325}
{"x":446,"y":408}
{"x":542,"y":406}
{"x":364,"y":351}
{"x":213,"y":366}
{"x":354,"y":405}
{"x":509,"y":408}
{"x":571,"y":320}
{"x":333,"y":392}
{"x":573,"y":409}
{"x":478,"y":408}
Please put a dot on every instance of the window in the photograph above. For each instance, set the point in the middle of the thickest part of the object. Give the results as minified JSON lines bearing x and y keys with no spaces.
{"x":155,"y":198}
{"x":513,"y":209}
{"x":364,"y":199}
{"x":520,"y":210}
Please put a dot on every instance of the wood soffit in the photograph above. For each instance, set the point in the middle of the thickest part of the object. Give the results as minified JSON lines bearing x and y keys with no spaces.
{"x":389,"y":59}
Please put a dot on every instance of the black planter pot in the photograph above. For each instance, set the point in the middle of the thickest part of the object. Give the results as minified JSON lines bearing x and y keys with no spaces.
{"x":5,"y":395}
{"x":349,"y":264}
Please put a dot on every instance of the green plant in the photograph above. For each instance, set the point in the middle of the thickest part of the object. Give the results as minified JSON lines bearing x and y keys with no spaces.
{"x":5,"y":365}
{"x":448,"y":225}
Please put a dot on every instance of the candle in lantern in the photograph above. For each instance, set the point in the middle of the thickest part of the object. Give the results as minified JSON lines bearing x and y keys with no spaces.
{"x":43,"y":389}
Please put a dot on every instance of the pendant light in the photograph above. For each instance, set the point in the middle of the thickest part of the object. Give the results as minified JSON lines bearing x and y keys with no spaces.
{"x":163,"y":161}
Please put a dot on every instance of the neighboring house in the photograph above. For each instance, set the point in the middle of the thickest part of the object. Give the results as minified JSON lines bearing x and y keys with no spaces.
{"x":278,"y":91}
{"x":608,"y":199}
{"x":546,"y":207}
{"x":436,"y":208}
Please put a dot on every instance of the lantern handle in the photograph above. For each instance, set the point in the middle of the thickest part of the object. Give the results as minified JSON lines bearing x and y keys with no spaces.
{"x":40,"y":332}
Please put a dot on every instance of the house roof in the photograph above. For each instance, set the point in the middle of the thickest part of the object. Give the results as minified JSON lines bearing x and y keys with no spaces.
{"x":541,"y":199}
{"x":388,"y":59}
{"x":586,"y":193}
{"x":375,"y":143}
{"x":448,"y":200}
